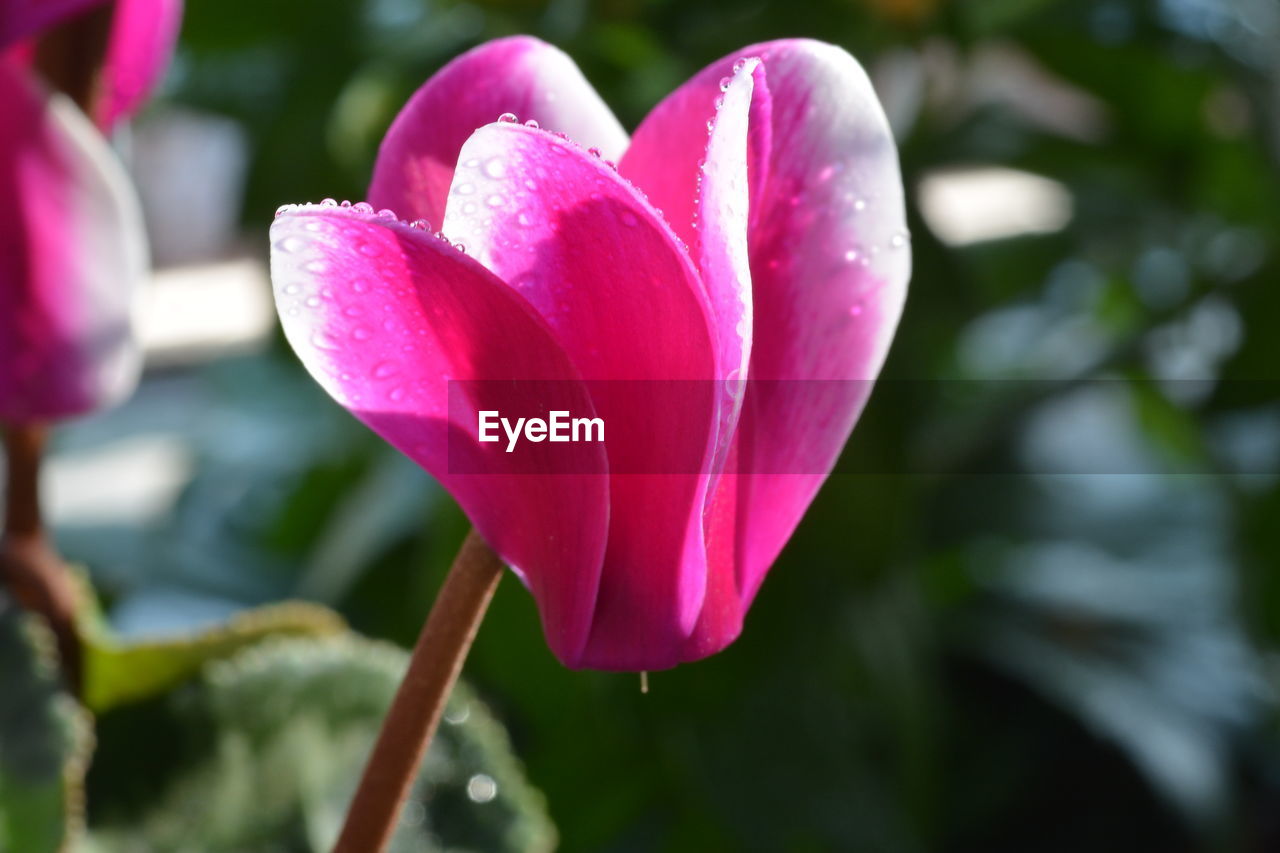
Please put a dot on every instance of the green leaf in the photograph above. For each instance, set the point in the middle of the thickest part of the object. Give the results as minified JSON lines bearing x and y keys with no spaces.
{"x":118,"y":671}
{"x":289,"y":724}
{"x":45,"y":741}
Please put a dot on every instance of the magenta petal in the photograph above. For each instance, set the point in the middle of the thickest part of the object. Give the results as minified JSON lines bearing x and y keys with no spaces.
{"x":829,"y":264}
{"x":143,"y":35}
{"x":383,"y":315}
{"x":72,"y":253}
{"x":576,"y":240}
{"x":22,"y":18}
{"x":518,"y":75}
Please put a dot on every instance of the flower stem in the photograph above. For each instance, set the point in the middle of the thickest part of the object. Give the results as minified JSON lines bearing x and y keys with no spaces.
{"x":29,"y":567}
{"x":419,"y":703}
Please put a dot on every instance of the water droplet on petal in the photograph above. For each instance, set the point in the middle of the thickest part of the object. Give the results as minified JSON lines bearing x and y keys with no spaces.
{"x":289,"y":245}
{"x":313,"y":301}
{"x":420,"y":224}
{"x":855,"y":309}
{"x":384,"y":369}
{"x":386,"y":214}
{"x":329,"y":202}
{"x":396,"y":395}
{"x":724,"y":83}
{"x":533,"y":123}
{"x":360,"y":333}
{"x":859,"y":204}
{"x":316,"y":267}
{"x":507,"y":118}
{"x":362,"y":207}
{"x":369,"y":250}
{"x":465,"y":188}
{"x":495,"y":200}
{"x":360,"y":285}
{"x":897,"y":241}
{"x":494,"y":167}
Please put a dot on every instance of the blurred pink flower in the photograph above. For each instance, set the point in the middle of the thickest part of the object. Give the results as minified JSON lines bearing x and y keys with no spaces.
{"x":72,"y":244}
{"x":753,"y":229}
{"x":139,"y":46}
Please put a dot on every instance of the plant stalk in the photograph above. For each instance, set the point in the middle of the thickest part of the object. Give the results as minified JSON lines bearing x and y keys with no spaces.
{"x":30,"y":569}
{"x":420,"y":701}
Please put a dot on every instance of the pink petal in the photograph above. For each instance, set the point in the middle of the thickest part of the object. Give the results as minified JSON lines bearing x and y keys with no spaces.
{"x":829,"y":263}
{"x":383,"y":315}
{"x":72,"y":252}
{"x":519,"y":75}
{"x":143,"y":35}
{"x":22,"y":18}
{"x":577,"y":241}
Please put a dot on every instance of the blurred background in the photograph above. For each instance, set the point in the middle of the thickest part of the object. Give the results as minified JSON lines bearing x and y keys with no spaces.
{"x":1044,"y":616}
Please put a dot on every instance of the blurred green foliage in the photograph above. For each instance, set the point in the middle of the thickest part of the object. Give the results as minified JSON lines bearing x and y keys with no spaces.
{"x":992,"y":652}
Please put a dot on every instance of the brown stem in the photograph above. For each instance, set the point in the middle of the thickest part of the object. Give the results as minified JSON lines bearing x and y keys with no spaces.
{"x":69,"y":56}
{"x":419,"y":703}
{"x":29,"y":567}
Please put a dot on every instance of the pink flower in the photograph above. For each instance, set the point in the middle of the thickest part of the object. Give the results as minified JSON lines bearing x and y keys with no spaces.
{"x":141,"y":41}
{"x":72,"y":244}
{"x":753,"y":229}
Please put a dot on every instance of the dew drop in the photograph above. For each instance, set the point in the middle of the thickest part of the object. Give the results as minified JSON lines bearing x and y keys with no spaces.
{"x":385,"y":369}
{"x":533,"y":123}
{"x":420,"y":225}
{"x":396,"y":395}
{"x":469,"y":208}
{"x":859,"y":204}
{"x":724,"y":83}
{"x":495,"y":168}
{"x":471,"y":162}
{"x":289,"y":245}
{"x":855,"y":309}
{"x":530,"y":183}
{"x":285,"y":208}
{"x":360,"y":285}
{"x":360,"y":333}
{"x":316,"y":267}
{"x":344,"y":204}
{"x":629,"y":219}
{"x":897,"y":241}
{"x":362,"y":207}
{"x":292,"y":288}
{"x":507,"y":118}
{"x":369,"y":250}
{"x":386,"y":214}
{"x":465,"y":188}
{"x":523,"y":219}
{"x":321,"y":340}
{"x":329,"y":202}
{"x":851,"y":255}
{"x":313,"y":301}
{"x":494,"y":200}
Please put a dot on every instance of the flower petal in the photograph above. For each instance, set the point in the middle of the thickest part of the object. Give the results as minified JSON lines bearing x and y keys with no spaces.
{"x":72,"y":253}
{"x":829,"y":264}
{"x":576,"y":240}
{"x":519,"y":75}
{"x":143,"y":35}
{"x":383,"y":315}
{"x":22,"y":18}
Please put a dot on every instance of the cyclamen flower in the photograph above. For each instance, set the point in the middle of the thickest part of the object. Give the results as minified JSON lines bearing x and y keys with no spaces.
{"x":753,"y":229}
{"x":72,"y":243}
